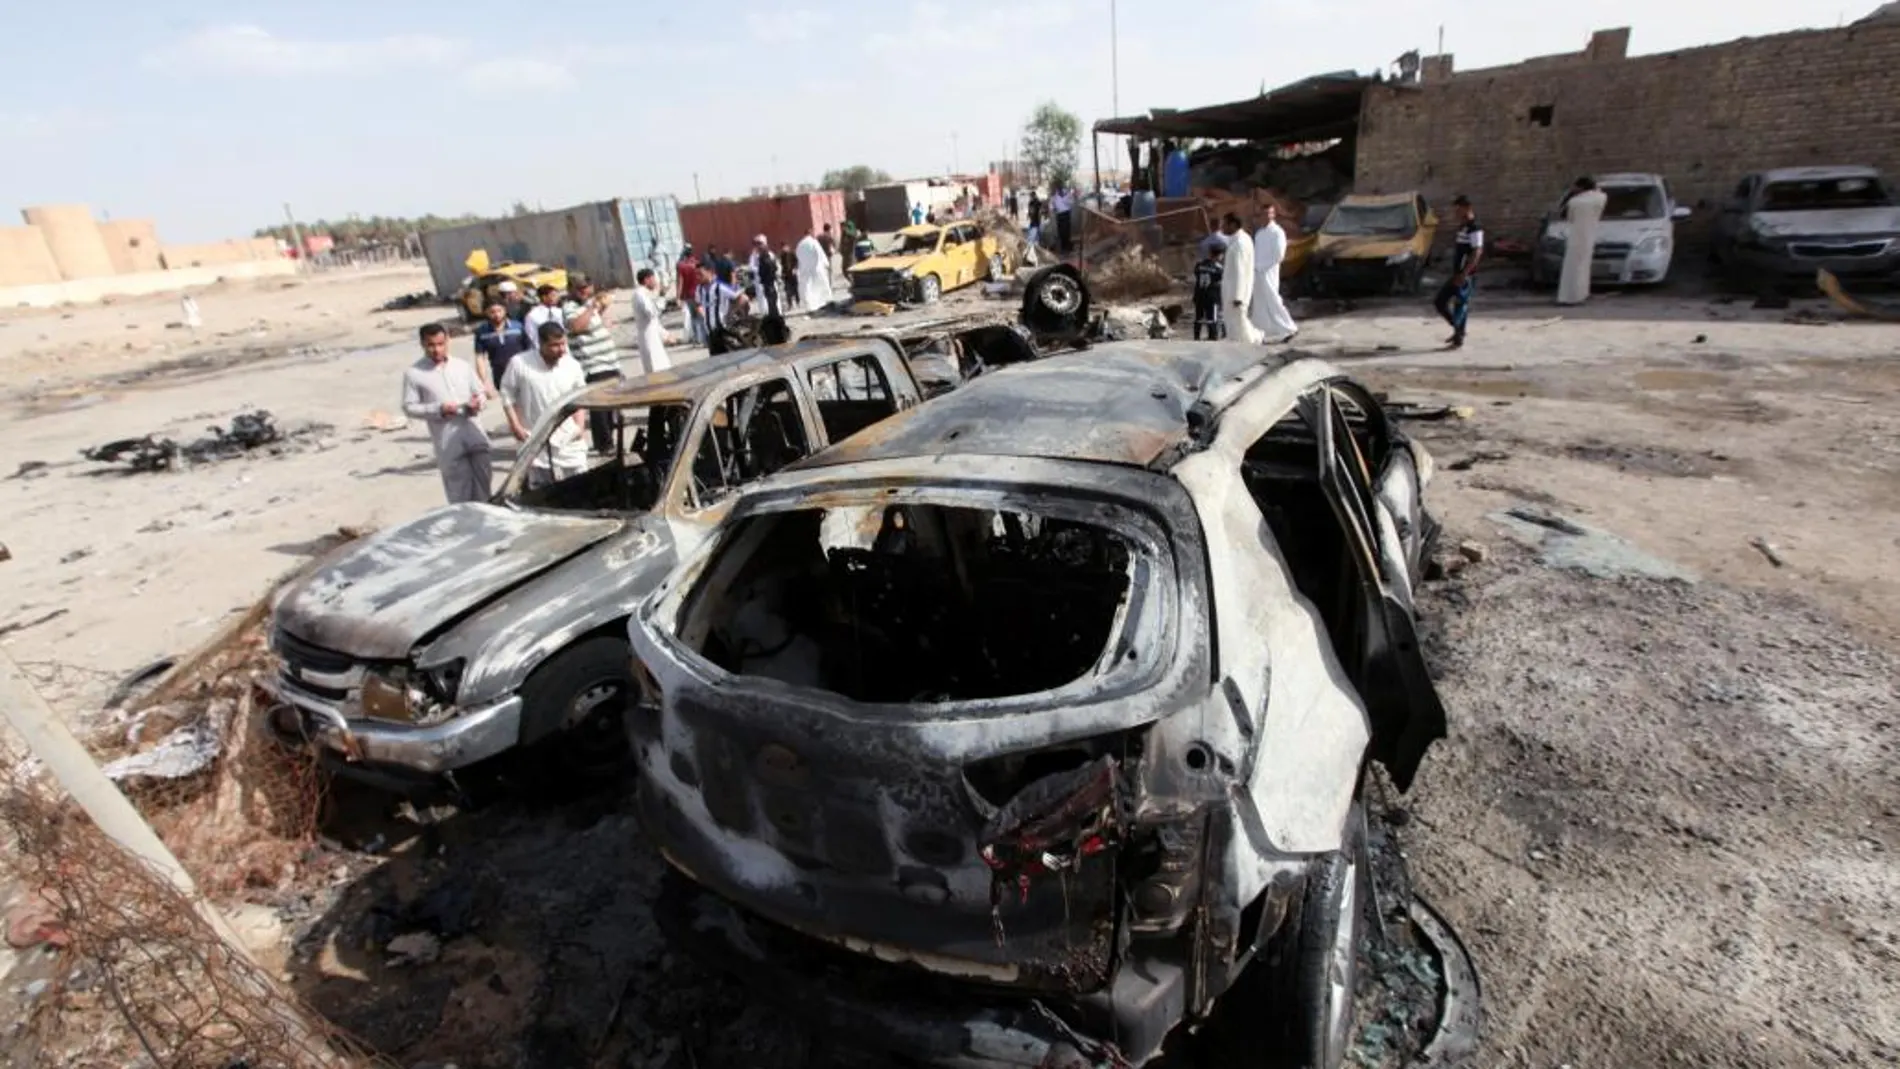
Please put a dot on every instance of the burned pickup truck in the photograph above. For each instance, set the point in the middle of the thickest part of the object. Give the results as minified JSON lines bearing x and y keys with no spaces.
{"x":1026,"y":726}
{"x":479,"y":627}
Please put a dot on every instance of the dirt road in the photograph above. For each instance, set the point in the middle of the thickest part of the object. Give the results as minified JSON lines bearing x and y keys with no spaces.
{"x":1666,"y":821}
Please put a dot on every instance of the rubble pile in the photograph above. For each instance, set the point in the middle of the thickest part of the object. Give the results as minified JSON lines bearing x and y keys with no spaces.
{"x":248,"y":432}
{"x":1129,"y":273}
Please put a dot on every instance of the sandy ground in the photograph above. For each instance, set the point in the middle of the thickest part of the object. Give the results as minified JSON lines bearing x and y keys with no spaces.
{"x":1665,"y":822}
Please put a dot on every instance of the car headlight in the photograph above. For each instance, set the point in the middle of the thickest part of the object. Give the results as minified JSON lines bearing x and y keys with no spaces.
{"x":443,"y":681}
{"x":388,"y":694}
{"x":1652,"y":245}
{"x":1399,"y":257}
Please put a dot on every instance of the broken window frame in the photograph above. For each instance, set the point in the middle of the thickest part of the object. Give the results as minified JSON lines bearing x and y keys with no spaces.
{"x":691,"y":489}
{"x":1143,"y":638}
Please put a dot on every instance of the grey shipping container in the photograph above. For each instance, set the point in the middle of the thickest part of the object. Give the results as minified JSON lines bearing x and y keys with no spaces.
{"x":608,"y":240}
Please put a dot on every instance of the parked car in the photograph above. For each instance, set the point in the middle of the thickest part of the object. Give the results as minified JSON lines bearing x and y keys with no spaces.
{"x":1374,"y":244}
{"x":1787,"y":224}
{"x":1025,"y":727}
{"x":484,"y":282}
{"x":476,"y":628}
{"x":929,"y":261}
{"x":1635,"y":239}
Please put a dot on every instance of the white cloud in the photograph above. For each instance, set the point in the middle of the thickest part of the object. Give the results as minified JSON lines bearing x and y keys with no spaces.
{"x":246,"y":49}
{"x":504,"y":76}
{"x":798,"y":24}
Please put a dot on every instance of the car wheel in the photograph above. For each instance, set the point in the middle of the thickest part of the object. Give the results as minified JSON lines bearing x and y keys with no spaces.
{"x":929,"y":289}
{"x":573,"y":706}
{"x":1414,"y":278}
{"x":1315,"y":961}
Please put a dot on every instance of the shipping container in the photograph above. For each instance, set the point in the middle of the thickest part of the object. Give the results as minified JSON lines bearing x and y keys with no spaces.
{"x":732,"y":224}
{"x":888,"y":207}
{"x":607,"y":240}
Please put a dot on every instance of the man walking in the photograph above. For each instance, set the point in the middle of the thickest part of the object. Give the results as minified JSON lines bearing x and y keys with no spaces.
{"x":1269,"y":310}
{"x":1035,"y":219}
{"x":1237,"y":282}
{"x":535,"y":385}
{"x":497,"y":341}
{"x":765,"y":275}
{"x":1062,"y":202}
{"x":849,"y":246}
{"x":590,"y":336}
{"x":548,"y":311}
{"x":720,"y":300}
{"x":1207,"y":290}
{"x":814,"y":271}
{"x":687,"y":281}
{"x":646,"y":323}
{"x":1467,"y":251}
{"x":829,"y":244}
{"x":446,"y":394}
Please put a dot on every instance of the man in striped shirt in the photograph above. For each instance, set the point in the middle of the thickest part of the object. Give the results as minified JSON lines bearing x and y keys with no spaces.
{"x":719,"y":302}
{"x":590,"y":338}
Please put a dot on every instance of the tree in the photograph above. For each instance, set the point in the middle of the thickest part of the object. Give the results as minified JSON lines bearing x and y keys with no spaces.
{"x":519,"y":209}
{"x":1051,"y":141}
{"x":854,"y":179}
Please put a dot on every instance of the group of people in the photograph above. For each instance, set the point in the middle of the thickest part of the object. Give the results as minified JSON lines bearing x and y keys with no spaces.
{"x":1237,"y":280}
{"x":529,"y":359}
{"x":710,"y":295}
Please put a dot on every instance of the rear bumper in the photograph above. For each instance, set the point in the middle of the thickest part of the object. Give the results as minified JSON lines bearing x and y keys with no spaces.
{"x":876,"y":1006}
{"x":475,"y":735}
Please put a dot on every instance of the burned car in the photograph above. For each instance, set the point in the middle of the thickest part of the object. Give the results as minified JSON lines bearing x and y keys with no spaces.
{"x":441,"y":642}
{"x":1028,"y":725}
{"x":1785,"y":225}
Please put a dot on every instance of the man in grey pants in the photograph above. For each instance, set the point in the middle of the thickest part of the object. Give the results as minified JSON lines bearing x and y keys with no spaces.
{"x":446,"y":394}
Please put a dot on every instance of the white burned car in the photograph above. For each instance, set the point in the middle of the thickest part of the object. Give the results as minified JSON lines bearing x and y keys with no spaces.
{"x":1019,"y":728}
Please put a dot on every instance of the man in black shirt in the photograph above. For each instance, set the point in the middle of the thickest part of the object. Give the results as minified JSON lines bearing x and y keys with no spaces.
{"x":1207,"y":279}
{"x":1454,"y":297}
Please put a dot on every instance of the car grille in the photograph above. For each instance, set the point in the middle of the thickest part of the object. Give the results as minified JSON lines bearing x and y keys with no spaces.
{"x":1606,"y":250}
{"x":312,"y":668}
{"x":1830,"y":250}
{"x":877,"y":285}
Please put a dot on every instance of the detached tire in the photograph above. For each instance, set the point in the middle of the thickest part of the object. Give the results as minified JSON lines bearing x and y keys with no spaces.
{"x":573,"y":706}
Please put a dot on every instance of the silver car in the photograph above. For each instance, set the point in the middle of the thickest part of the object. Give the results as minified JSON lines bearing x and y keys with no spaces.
{"x":1785,"y":225}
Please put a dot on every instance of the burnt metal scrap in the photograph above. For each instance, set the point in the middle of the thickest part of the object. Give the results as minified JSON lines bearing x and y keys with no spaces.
{"x":247,"y":432}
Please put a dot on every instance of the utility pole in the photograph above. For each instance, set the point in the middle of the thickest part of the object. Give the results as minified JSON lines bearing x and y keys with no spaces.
{"x":955,"y":160}
{"x":697,"y":196}
{"x":296,"y":237}
{"x":1441,"y":38}
{"x":1114,"y":64}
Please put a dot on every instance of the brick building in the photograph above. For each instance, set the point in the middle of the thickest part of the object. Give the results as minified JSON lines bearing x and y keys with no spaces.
{"x":1514,"y":137}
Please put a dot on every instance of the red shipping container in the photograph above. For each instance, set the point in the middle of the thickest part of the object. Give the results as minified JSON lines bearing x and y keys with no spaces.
{"x":317,"y":243}
{"x":732,"y":224}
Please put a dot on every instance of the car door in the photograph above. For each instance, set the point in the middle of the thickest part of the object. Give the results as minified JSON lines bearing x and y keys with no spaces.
{"x":961,"y":245}
{"x":1403,"y":705}
{"x":1397,"y":472}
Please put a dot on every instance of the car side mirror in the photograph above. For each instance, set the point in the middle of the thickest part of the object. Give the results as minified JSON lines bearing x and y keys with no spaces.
{"x":1681,"y":211}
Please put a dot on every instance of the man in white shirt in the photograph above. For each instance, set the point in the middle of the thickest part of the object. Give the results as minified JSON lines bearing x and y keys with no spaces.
{"x":1269,"y":310}
{"x":648,"y":332}
{"x":814,"y":273}
{"x":548,"y":311}
{"x":446,"y":394}
{"x":534,"y":386}
{"x":1062,"y":203}
{"x":1237,"y":282}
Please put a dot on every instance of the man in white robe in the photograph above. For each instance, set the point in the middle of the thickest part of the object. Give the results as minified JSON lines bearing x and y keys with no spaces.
{"x":1269,"y":310}
{"x":649,"y":334}
{"x":814,"y":273}
{"x":1237,"y":282}
{"x":1583,"y":209}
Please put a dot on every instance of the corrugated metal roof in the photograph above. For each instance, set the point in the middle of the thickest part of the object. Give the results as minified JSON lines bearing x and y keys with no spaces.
{"x":1313,"y":109}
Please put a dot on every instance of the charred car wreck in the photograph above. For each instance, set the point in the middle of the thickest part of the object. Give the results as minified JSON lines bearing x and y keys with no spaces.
{"x":1025,"y":726}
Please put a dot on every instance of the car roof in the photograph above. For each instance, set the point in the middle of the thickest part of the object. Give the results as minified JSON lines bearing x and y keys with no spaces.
{"x":920,"y":230}
{"x":1378,"y":198}
{"x":1809,"y":174}
{"x":1119,"y":403}
{"x":1629,"y":178}
{"x":689,"y":382}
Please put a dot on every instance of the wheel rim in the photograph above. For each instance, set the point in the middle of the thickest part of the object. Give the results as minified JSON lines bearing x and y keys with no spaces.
{"x":591,"y":733}
{"x":1342,"y":966}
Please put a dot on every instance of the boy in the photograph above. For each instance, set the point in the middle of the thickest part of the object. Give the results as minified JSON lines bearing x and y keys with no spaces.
{"x":1207,"y":280}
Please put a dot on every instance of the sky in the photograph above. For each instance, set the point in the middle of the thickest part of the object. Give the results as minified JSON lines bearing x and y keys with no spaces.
{"x":208,"y":116}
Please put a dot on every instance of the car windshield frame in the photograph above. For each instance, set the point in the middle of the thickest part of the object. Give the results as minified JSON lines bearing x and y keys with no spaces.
{"x":628,"y":451}
{"x":1838,"y":193}
{"x":1372,"y":220}
{"x":1645,"y":201}
{"x":918,"y":244}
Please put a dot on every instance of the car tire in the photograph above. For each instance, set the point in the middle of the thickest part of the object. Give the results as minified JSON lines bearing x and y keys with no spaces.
{"x":929,"y":289}
{"x":1313,"y":962}
{"x":1415,"y":278}
{"x":573,"y":706}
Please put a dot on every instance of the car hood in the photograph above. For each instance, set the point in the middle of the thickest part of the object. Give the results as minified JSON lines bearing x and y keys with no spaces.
{"x":1371,"y":247}
{"x":383,"y":594}
{"x":889,"y":263}
{"x":1629,"y":231}
{"x":1872,"y":221}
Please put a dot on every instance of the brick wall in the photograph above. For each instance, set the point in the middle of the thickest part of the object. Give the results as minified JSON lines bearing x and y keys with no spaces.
{"x":1702,"y":118}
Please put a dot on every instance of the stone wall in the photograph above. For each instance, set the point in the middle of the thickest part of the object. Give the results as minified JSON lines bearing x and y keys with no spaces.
{"x":1513,"y":138}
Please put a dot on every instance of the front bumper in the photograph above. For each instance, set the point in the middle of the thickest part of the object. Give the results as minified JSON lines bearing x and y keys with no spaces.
{"x":1358,"y":276}
{"x":879,"y":1006}
{"x":1616,"y":268}
{"x":1784,"y":263}
{"x":890,"y":287}
{"x":471,"y":736}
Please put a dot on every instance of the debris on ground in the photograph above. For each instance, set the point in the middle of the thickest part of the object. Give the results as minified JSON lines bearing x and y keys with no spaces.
{"x":5,"y":553}
{"x":22,"y":625}
{"x":30,"y":469}
{"x":408,"y":301}
{"x":1568,"y":544}
{"x":1129,"y":274}
{"x":1483,"y":456}
{"x":248,"y":431}
{"x":1768,"y":549}
{"x":1475,"y":552}
{"x":1854,"y":306}
{"x":1426,"y":413}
